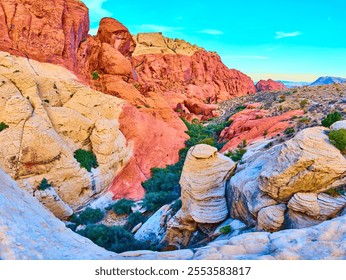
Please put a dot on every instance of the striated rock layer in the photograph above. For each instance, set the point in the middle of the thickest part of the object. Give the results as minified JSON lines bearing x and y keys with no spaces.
{"x":203,"y":193}
{"x":324,"y":241}
{"x":307,"y":163}
{"x":50,"y":116}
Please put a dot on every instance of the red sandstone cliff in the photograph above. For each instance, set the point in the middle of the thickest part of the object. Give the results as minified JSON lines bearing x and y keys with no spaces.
{"x":269,"y":85}
{"x":155,"y":81}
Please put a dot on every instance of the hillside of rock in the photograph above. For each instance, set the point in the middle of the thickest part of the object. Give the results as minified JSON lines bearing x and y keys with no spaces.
{"x":191,"y":79}
{"x":269,"y":85}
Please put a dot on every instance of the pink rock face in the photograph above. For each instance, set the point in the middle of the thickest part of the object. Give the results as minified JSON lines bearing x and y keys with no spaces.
{"x":48,"y":31}
{"x":155,"y":144}
{"x":254,"y":124}
{"x":198,"y":81}
{"x":269,"y":85}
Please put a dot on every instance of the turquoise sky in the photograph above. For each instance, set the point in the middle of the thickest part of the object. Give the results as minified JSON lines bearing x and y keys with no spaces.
{"x":287,"y":40}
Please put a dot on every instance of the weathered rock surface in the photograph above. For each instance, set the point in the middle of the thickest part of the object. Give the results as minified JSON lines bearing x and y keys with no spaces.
{"x":269,"y":85}
{"x":189,"y":78}
{"x":45,"y":31}
{"x":203,"y":193}
{"x":324,"y":241}
{"x":52,"y":201}
{"x":271,"y":218}
{"x":306,"y":163}
{"x":202,"y":182}
{"x":318,"y":207}
{"x":28,"y":231}
{"x":155,"y":227}
{"x":338,"y":125}
{"x":255,"y":124}
{"x":50,"y":116}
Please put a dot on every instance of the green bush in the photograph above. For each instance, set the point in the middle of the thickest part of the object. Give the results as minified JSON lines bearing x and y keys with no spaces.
{"x":225,"y":229}
{"x":135,"y":219}
{"x":338,"y":139}
{"x":86,"y":159}
{"x":44,"y":185}
{"x":123,"y":206}
{"x":95,"y":75}
{"x":303,"y":103}
{"x":236,"y":155}
{"x":116,"y":239}
{"x":289,"y":131}
{"x":88,"y":216}
{"x":331,"y":118}
{"x":3,"y":126}
{"x":154,"y":200}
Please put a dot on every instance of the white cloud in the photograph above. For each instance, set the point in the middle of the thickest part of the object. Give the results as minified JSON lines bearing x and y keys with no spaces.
{"x":158,"y":28}
{"x":96,"y":11}
{"x":280,"y":34}
{"x":261,"y":57}
{"x":211,"y":31}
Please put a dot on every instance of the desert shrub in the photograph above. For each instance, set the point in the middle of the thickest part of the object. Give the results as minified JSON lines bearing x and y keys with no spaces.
{"x":335,"y":192}
{"x":3,"y":126}
{"x":303,"y":103}
{"x":304,"y":120}
{"x":44,"y":185}
{"x":123,"y":206}
{"x":116,"y":239}
{"x":86,"y":159}
{"x":331,"y":118}
{"x":135,"y":219}
{"x":154,"y":200}
{"x":95,"y":75}
{"x":240,"y":108}
{"x":289,"y":131}
{"x":225,"y":229}
{"x":88,"y":216}
{"x":236,"y":155}
{"x":338,"y":139}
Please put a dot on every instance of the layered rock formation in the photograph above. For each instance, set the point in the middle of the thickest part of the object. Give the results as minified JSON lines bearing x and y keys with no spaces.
{"x":269,"y":85}
{"x":188,"y":77}
{"x":308,"y":163}
{"x":50,"y":116}
{"x":45,"y":31}
{"x":29,"y":231}
{"x":324,"y":241}
{"x":254,"y":124}
{"x":203,"y":194}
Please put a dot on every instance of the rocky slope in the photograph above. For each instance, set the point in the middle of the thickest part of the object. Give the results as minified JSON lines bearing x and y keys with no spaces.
{"x":324,"y":241}
{"x":189,"y":78}
{"x":269,"y":85}
{"x":327,"y":81}
{"x":104,"y":62}
{"x":49,"y":116}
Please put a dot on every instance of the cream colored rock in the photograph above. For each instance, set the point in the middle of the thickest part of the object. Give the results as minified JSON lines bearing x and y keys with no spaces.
{"x":203,"y":194}
{"x":338,"y":125}
{"x":52,"y":201}
{"x":271,"y":218}
{"x":150,"y":43}
{"x":50,"y":115}
{"x":28,"y":231}
{"x":202,"y":183}
{"x":155,"y":227}
{"x":306,"y":163}
{"x":309,"y":207}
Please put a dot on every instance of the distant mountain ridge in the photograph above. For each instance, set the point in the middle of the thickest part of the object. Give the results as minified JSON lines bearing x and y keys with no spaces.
{"x":327,"y":81}
{"x":290,"y":84}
